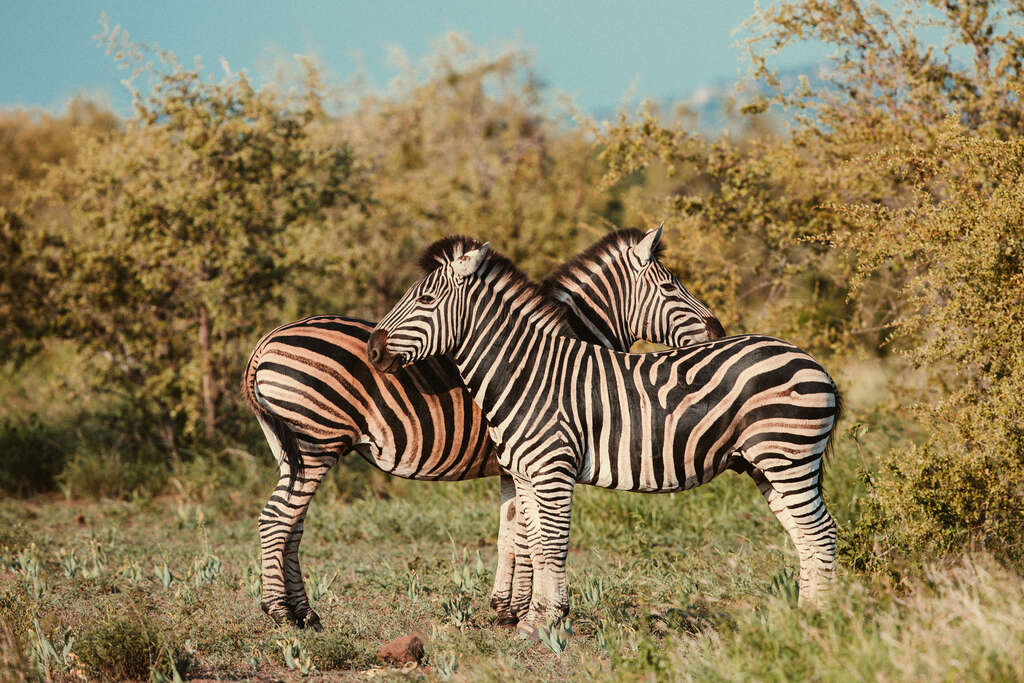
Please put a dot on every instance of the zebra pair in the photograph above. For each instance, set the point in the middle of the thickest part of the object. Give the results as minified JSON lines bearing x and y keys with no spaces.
{"x":317,"y":397}
{"x":564,"y":411}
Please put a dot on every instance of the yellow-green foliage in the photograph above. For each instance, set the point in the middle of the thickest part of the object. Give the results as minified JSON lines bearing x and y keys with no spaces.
{"x":959,"y":235}
{"x":461,"y":145}
{"x":31,"y":140}
{"x":173,"y":239}
{"x":126,"y":648}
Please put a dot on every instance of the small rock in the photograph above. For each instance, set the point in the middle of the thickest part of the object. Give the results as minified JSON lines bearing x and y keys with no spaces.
{"x":402,"y":650}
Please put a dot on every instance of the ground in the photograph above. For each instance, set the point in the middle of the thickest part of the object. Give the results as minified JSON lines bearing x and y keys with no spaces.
{"x":697,"y":584}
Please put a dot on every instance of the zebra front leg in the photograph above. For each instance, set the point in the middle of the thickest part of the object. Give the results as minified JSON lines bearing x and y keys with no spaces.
{"x":549,"y":502}
{"x":794,"y":495}
{"x":529,"y":540}
{"x":501,"y":594}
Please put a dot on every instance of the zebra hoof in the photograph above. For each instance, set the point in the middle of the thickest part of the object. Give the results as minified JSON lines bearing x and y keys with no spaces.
{"x":503,"y":610}
{"x":520,"y":613}
{"x":277,"y":612}
{"x":310,"y":621}
{"x":527,"y":631}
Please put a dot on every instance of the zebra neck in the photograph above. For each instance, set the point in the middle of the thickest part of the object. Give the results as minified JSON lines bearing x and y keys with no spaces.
{"x":500,"y":334}
{"x":593,"y":310}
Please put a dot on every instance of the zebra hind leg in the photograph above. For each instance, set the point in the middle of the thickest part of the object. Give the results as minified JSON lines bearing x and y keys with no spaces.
{"x":794,"y":495}
{"x":513,"y":582}
{"x":280,"y":526}
{"x":275,"y":526}
{"x":504,"y":574}
{"x":313,"y":474}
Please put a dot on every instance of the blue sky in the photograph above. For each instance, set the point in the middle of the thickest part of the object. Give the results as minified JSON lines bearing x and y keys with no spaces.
{"x":595,"y":50}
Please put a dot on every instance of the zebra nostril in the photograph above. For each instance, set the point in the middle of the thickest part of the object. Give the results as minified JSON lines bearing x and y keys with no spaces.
{"x":715,"y":329}
{"x":376,"y":349}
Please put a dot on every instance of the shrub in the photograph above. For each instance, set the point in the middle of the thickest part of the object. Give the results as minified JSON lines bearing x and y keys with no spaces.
{"x":168,"y":235}
{"x":330,"y":651}
{"x":32,"y":454}
{"x":128,"y":647}
{"x":960,"y":236}
{"x":914,"y":216}
{"x":112,"y":474}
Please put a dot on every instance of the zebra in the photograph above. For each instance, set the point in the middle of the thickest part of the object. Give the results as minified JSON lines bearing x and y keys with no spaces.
{"x":564,"y":411}
{"x":317,"y":398}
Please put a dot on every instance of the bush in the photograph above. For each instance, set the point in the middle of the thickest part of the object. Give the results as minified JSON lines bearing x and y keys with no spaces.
{"x":32,"y":454}
{"x":105,"y":473}
{"x":881,"y":218}
{"x":128,"y":648}
{"x":170,"y":237}
{"x":959,"y":235}
{"x":108,"y":454}
{"x":330,"y":651}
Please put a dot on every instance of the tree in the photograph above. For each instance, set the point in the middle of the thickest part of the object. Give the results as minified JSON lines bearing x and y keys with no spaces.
{"x":179,"y":235}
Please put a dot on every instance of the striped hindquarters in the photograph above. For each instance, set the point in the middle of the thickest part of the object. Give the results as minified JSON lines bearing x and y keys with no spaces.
{"x":313,"y":377}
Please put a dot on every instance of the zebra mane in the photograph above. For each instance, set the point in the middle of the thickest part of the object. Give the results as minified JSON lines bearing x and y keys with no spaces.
{"x":610,"y":243}
{"x":446,"y":250}
{"x":499,"y":270}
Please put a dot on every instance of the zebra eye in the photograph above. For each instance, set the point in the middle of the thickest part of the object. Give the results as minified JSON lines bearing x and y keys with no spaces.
{"x":668,"y":287}
{"x":425,"y":299}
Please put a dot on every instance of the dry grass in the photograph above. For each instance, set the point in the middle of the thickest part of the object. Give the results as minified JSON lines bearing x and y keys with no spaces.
{"x":694,"y":585}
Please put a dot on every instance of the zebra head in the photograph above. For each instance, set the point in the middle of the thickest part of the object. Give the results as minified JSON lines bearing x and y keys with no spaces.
{"x":618,"y":291}
{"x":427,"y":320}
{"x":660,"y":308}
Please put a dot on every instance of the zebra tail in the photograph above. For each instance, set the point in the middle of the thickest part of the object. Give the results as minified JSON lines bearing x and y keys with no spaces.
{"x":285,"y":436}
{"x":830,"y":446}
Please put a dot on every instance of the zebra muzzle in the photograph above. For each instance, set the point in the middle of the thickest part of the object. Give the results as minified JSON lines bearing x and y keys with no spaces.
{"x":715,"y":329}
{"x":377,"y":352}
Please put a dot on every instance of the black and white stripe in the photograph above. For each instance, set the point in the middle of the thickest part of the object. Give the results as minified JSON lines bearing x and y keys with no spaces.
{"x":317,"y":397}
{"x":564,"y":411}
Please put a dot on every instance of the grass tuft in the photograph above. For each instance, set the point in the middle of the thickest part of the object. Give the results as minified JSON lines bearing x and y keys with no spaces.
{"x":128,"y":648}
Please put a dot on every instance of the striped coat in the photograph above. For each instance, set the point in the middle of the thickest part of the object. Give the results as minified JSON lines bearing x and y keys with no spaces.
{"x":564,"y":411}
{"x":317,"y":397}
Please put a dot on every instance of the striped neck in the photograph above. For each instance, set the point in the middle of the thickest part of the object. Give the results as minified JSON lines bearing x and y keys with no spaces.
{"x":594,"y":289}
{"x":504,"y":315}
{"x":500,"y":286}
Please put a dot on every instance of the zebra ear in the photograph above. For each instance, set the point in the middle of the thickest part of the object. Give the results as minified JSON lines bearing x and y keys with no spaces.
{"x":646,"y":248}
{"x":466,"y":265}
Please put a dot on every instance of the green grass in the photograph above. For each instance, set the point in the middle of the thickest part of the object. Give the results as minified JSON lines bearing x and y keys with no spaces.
{"x":696,"y":585}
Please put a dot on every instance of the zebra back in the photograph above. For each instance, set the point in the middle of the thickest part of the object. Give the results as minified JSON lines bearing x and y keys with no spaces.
{"x":311,"y":379}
